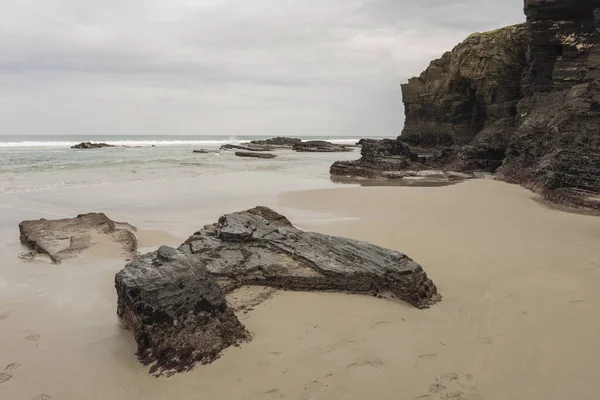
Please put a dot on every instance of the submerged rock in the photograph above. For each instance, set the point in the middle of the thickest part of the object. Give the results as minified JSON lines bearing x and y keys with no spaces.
{"x":254,"y":155}
{"x":90,"y":145}
{"x":204,"y":151}
{"x":61,"y":239}
{"x":172,"y":299}
{"x":319,"y":146}
{"x":249,"y":147}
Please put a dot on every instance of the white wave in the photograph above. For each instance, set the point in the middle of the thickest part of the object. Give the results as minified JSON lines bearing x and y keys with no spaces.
{"x":130,"y":143}
{"x":147,"y":143}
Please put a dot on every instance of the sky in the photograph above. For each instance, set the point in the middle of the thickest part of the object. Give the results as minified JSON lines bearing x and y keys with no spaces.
{"x":230,"y":67}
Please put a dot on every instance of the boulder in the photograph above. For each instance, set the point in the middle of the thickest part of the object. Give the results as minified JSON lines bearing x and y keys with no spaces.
{"x":61,"y":239}
{"x":254,"y":155}
{"x":90,"y":145}
{"x":172,"y":299}
{"x":319,"y":146}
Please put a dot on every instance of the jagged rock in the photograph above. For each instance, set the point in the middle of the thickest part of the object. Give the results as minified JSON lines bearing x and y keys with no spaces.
{"x":319,"y":146}
{"x":249,"y":147}
{"x":254,"y":155}
{"x":471,"y":87}
{"x":278,"y":141}
{"x":172,"y":299}
{"x":175,"y":310}
{"x":61,"y":239}
{"x":90,"y":145}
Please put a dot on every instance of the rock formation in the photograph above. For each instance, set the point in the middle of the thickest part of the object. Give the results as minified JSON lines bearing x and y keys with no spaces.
{"x":61,"y":239}
{"x":278,"y":141}
{"x":90,"y":145}
{"x":172,"y":299}
{"x":319,"y":146}
{"x":472,"y":87}
{"x":205,"y":151}
{"x":254,"y":155}
{"x":522,"y":101}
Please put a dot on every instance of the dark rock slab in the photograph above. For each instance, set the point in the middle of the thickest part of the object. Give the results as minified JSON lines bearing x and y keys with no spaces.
{"x":320,"y":146}
{"x":90,"y":145}
{"x":204,"y":151}
{"x":254,"y":155}
{"x":278,"y":141}
{"x":61,"y":239}
{"x":172,"y":299}
{"x":175,"y":310}
{"x":248,"y":147}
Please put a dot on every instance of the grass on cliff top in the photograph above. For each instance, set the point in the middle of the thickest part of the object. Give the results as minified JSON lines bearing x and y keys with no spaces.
{"x":495,"y":32}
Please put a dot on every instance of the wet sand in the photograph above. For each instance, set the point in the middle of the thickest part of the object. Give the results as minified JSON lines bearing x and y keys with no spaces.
{"x":517,"y":319}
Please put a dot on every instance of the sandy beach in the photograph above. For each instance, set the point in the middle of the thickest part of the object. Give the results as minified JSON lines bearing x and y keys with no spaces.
{"x":516,"y":320}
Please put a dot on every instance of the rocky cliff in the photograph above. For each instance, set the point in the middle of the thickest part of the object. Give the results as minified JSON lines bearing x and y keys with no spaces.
{"x":556,"y":148}
{"x":474,"y":86}
{"x":522,"y":101}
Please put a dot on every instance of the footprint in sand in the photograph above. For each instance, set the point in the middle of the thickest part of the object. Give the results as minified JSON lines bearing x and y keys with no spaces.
{"x":449,"y":387}
{"x":485,"y":340}
{"x":6,"y":314}
{"x":33,"y":338}
{"x":42,"y":397}
{"x":4,"y":377}
{"x":370,"y":362}
{"x":428,"y":357}
{"x":12,"y":367}
{"x":379,"y":324}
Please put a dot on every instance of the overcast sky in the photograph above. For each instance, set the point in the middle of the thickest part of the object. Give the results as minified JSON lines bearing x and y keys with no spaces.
{"x":289,"y":67}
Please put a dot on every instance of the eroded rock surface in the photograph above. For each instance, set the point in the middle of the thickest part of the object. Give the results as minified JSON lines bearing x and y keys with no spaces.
{"x":172,"y":299}
{"x":61,"y":239}
{"x":247,"y":147}
{"x":175,"y":310}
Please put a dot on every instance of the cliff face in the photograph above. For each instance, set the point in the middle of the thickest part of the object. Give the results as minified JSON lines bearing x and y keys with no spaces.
{"x":474,"y":86}
{"x":523,"y":101}
{"x":556,"y":147}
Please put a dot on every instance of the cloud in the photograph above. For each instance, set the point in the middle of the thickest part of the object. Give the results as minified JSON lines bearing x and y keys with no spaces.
{"x":223,"y":66}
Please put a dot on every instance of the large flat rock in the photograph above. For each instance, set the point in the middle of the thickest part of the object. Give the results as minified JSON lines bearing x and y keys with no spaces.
{"x":178,"y":293}
{"x":61,"y":239}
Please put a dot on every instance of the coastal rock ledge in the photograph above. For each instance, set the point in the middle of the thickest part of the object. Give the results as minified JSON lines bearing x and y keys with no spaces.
{"x":62,"y":239}
{"x":173,"y":300}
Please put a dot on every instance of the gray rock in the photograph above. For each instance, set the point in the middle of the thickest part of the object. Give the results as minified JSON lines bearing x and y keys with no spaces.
{"x":173,"y":301}
{"x":254,"y":155}
{"x":204,"y":151}
{"x":66,"y":238}
{"x":175,"y":310}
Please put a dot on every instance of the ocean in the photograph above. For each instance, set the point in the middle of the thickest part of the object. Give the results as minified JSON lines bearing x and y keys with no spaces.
{"x":33,"y":163}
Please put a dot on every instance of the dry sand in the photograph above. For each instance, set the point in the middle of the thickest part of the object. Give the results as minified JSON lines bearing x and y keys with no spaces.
{"x":518,"y":319}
